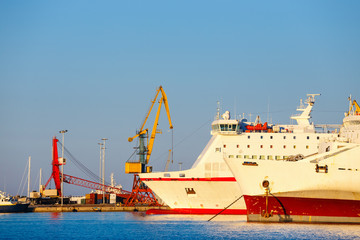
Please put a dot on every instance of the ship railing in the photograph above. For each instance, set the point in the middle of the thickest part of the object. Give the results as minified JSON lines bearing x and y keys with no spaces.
{"x":328,"y":128}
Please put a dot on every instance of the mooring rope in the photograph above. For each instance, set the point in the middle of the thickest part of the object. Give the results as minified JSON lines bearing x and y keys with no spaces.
{"x":225,"y":208}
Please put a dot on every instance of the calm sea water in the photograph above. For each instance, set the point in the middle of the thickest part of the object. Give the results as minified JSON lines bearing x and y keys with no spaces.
{"x":121,"y":225}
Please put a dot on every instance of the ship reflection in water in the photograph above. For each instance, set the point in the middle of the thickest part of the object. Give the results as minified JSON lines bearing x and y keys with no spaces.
{"x":128,"y":225}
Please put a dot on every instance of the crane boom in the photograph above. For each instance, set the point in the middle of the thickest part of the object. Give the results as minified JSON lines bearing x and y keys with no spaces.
{"x":163,"y":99}
{"x":141,"y":133}
{"x":356,"y":106}
{"x":93,"y":185}
{"x":352,"y":104}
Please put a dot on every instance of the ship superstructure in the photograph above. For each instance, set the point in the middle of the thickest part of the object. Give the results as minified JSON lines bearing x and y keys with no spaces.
{"x":324,"y":187}
{"x":209,"y":186}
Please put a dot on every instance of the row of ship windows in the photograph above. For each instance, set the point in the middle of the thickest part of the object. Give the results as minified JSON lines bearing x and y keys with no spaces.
{"x":261,"y":146}
{"x":261,"y":157}
{"x":168,"y":175}
{"x":284,"y":137}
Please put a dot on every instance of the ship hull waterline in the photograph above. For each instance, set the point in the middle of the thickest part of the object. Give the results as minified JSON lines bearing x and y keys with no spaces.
{"x":14,"y":208}
{"x":301,"y":210}
{"x":213,"y":196}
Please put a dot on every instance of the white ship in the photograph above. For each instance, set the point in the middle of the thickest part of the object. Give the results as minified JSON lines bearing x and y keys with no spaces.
{"x":209,"y":186}
{"x":324,"y":187}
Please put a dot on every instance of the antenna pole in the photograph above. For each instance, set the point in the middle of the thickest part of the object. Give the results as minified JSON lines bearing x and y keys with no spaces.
{"x":62,"y":167}
{"x":103,"y":169}
{"x":28,"y":191}
{"x":40,"y":181}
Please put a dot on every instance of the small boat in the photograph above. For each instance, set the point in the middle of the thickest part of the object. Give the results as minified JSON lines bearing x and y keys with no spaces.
{"x":9,"y":205}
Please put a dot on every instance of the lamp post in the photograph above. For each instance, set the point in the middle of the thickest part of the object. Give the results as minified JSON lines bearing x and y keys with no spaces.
{"x":62,"y":167}
{"x":100,"y":171}
{"x":103,"y":169}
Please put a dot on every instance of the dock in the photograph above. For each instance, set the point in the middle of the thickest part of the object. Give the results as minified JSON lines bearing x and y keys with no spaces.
{"x":92,"y":208}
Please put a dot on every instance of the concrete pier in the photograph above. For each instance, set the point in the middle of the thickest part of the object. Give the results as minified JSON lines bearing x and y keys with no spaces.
{"x":91,"y":208}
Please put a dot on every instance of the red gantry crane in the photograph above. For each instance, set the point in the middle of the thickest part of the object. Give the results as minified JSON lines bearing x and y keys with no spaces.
{"x":56,"y":176}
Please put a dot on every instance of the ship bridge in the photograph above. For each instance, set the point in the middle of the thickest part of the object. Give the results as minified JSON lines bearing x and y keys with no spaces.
{"x":225,"y":125}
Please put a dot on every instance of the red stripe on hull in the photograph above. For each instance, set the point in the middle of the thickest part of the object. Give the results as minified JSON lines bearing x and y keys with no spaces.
{"x":197,"y":211}
{"x":291,"y":206}
{"x":221,"y":179}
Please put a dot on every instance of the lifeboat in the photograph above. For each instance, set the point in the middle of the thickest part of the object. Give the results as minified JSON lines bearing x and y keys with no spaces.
{"x":258,"y":127}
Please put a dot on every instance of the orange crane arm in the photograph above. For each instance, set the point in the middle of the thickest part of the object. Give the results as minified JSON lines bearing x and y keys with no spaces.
{"x":352,"y":104}
{"x":164,"y":97}
{"x":356,"y":106}
{"x":153,"y":131}
{"x":164,"y":100}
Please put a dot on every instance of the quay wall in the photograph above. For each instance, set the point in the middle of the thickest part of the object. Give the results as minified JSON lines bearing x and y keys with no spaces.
{"x":92,"y":208}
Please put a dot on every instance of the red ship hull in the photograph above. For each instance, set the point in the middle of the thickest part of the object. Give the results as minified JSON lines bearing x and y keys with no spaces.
{"x":297,"y":209}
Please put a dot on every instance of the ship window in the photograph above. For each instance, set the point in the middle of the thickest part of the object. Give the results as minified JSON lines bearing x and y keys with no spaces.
{"x":248,"y":146}
{"x":307,"y":137}
{"x":224,"y":146}
{"x":317,"y":137}
{"x":294,"y":137}
{"x":285,"y":157}
{"x":223,"y":127}
{"x":277,"y":157}
{"x":238,"y":156}
{"x":248,"y":137}
{"x":182,"y":175}
{"x":271,"y":146}
{"x":166,"y":174}
{"x":261,"y":137}
{"x":254,"y":157}
{"x":246,"y":157}
{"x":271,"y":137}
{"x":284,"y":146}
{"x":294,"y":146}
{"x":284,"y":137}
{"x":307,"y":146}
{"x":262,"y":157}
{"x":237,"y":146}
{"x":217,"y":149}
{"x":231,"y":156}
{"x":261,"y":146}
{"x":270,"y":157}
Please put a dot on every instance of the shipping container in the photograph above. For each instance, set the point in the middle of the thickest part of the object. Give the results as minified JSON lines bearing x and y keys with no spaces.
{"x":100,"y":196}
{"x":89,"y":201}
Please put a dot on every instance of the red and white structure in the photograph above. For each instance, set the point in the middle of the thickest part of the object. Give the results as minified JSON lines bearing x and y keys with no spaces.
{"x":324,"y":187}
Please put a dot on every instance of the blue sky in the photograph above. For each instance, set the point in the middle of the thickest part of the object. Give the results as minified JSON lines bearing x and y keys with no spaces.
{"x":92,"y":67}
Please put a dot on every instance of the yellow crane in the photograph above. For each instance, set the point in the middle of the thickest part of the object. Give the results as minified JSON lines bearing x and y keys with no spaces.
{"x":352,"y":104}
{"x":145,"y":151}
